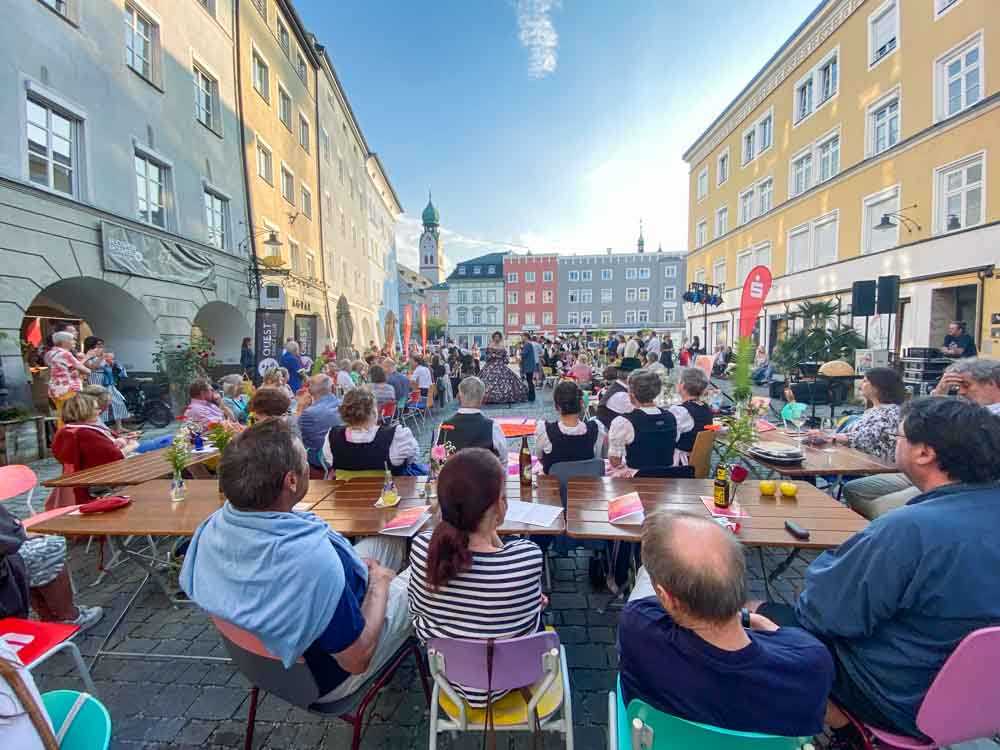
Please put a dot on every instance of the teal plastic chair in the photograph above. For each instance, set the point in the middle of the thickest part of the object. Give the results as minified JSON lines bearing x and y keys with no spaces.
{"x":91,"y":726}
{"x":642,"y":727}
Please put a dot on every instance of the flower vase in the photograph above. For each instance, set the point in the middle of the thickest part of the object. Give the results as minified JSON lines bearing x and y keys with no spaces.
{"x":177,"y":488}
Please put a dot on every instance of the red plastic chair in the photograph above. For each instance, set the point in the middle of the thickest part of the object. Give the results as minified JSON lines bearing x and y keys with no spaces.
{"x":963,"y":702}
{"x":387,"y":412}
{"x":34,"y":642}
{"x":16,"y":480}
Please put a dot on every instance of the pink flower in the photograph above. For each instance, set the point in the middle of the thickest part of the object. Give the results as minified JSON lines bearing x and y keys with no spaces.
{"x":438,"y":453}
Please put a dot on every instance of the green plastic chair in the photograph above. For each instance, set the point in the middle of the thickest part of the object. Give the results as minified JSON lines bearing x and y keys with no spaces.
{"x":642,"y":727}
{"x":90,"y":728}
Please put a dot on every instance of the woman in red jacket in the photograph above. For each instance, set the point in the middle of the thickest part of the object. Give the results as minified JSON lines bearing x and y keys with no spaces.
{"x":82,"y":444}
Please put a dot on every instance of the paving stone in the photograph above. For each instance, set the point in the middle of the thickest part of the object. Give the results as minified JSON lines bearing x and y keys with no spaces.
{"x":196,"y":731}
{"x":567,"y":601}
{"x":573,"y":617}
{"x":282,"y":737}
{"x":601,"y":635}
{"x":587,"y":656}
{"x":174,"y":700}
{"x":163,"y":730}
{"x":216,"y":703}
{"x":573,"y":634}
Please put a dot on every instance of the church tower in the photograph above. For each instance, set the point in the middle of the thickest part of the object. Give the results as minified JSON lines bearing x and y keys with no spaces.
{"x":641,"y":244}
{"x":431,"y":265}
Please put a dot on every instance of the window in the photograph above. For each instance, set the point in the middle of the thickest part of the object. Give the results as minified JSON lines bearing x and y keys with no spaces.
{"x":477,"y":297}
{"x":216,"y":219}
{"x":943,"y":6}
{"x":631,"y":294}
{"x":546,"y":318}
{"x":828,"y":79}
{"x":304,"y":132}
{"x":959,"y":78}
{"x":264,"y":163}
{"x":758,"y":138}
{"x":765,"y":196}
{"x":293,"y":254}
{"x":284,"y":40}
{"x":607,"y":295}
{"x":883,"y":124}
{"x":477,"y":317}
{"x":573,"y":318}
{"x":261,"y":6}
{"x":311,"y":269}
{"x":798,"y":250}
{"x":574,"y":275}
{"x":960,"y":187}
{"x":529,"y":277}
{"x":605,"y":317}
{"x":461,"y":270}
{"x":883,"y":32}
{"x":606,"y":274}
{"x":703,"y":183}
{"x":512,"y":319}
{"x":670,"y":272}
{"x":463,"y":316}
{"x":811,"y":245}
{"x":766,"y":132}
{"x":586,"y":275}
{"x":59,"y":6}
{"x":876,"y":206}
{"x":801,"y":175}
{"x":669,"y":293}
{"x":300,"y":67}
{"x":699,"y":276}
{"x":746,"y":206}
{"x":52,"y":148}
{"x":586,"y":296}
{"x":644,"y":316}
{"x":722,"y":168}
{"x":749,"y":145}
{"x":546,"y":275}
{"x":529,"y":319}
{"x":721,"y":223}
{"x":573,"y":296}
{"x":327,"y":151}
{"x":463,"y":297}
{"x":206,"y":99}
{"x":669,"y":315}
{"x":261,"y":76}
{"x":491,"y":270}
{"x":644,"y":294}
{"x":529,"y":298}
{"x":719,"y":274}
{"x":547,"y":296}
{"x":511,"y":298}
{"x":491,"y":295}
{"x":141,"y":43}
{"x":152,"y":187}
{"x":306,"y":201}
{"x":284,"y":107}
{"x":477,"y":270}
{"x":701,"y":234}
{"x":825,"y":240}
{"x":829,"y":158}
{"x":630,"y":316}
{"x":644,"y":272}
{"x":512,"y":277}
{"x":287,"y":185}
{"x":631,"y":274}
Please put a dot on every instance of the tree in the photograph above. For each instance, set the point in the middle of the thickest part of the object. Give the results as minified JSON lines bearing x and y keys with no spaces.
{"x":435,"y":328}
{"x":818,"y":340}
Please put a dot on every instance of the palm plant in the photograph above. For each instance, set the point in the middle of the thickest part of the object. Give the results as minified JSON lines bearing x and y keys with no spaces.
{"x":818,"y":340}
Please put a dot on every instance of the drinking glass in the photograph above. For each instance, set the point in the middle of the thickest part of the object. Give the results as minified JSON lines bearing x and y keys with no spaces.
{"x":828,"y":426}
{"x":799,"y":421}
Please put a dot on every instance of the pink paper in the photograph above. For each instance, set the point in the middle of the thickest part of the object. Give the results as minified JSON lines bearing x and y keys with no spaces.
{"x":406,"y":518}
{"x":735,"y":511}
{"x":625,"y":506}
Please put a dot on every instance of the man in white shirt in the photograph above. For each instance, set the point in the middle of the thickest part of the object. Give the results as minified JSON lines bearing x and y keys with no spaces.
{"x":344,"y":381}
{"x":468,"y":428}
{"x":659,"y":450}
{"x":632,"y":347}
{"x":653,"y":345}
{"x":420,"y":376}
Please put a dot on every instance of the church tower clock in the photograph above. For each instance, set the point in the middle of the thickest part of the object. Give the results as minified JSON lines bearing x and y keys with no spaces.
{"x":430,"y":244}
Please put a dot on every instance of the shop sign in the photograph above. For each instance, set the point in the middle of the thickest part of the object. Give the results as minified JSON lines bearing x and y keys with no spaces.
{"x":305,"y":334}
{"x":270,"y":338}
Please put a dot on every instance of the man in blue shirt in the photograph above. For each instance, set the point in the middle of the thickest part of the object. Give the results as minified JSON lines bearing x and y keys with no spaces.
{"x":897,"y":598}
{"x":317,"y":415}
{"x":399,"y":382}
{"x":528,"y":364}
{"x":686,"y":649}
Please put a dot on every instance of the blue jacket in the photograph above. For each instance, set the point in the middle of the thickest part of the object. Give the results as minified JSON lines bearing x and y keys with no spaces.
{"x":528,"y":363}
{"x":895,"y":599}
{"x":293,"y":364}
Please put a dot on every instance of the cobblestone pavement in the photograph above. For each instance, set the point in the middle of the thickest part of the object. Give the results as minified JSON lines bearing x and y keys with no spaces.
{"x":177,"y":704}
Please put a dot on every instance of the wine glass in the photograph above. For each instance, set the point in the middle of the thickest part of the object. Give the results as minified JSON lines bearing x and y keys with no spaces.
{"x":829,"y":429}
{"x":799,"y":421}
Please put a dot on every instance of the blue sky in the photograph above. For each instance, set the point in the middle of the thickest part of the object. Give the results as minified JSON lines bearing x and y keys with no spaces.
{"x":556,"y":125}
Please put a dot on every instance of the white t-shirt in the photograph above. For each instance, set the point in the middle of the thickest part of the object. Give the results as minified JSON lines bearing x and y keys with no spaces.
{"x":344,"y":380}
{"x":423,"y":377}
{"x":18,"y":732}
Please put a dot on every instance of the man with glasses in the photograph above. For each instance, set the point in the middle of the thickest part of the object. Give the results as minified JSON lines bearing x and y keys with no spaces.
{"x":897,"y":598}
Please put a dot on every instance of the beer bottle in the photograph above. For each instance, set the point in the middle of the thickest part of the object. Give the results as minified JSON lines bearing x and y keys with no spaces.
{"x":524,"y":461}
{"x":721,"y":488}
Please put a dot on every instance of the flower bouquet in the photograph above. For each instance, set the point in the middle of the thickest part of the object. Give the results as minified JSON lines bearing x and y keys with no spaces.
{"x":220,"y":434}
{"x":439,"y":455}
{"x":177,"y":454}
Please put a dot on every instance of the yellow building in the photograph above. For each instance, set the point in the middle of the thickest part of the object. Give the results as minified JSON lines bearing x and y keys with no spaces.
{"x":872,"y":107}
{"x":277,"y":79}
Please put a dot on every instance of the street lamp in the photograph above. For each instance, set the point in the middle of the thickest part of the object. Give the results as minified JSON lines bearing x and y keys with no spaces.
{"x":887,"y":222}
{"x":255,"y":276}
{"x":705,"y":294}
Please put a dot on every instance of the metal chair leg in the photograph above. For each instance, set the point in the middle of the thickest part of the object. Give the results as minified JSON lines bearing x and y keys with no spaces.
{"x":251,"y":718}
{"x":81,"y":666}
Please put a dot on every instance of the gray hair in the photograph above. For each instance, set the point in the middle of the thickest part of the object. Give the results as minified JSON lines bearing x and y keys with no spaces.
{"x":645,"y":385}
{"x":62,"y":337}
{"x":254,"y":465}
{"x":980,"y":369}
{"x":231,"y":384}
{"x":694,"y":380}
{"x":471,"y":391}
{"x":652,"y":358}
{"x":709,"y":579}
{"x":292,"y":346}
{"x":321,"y":384}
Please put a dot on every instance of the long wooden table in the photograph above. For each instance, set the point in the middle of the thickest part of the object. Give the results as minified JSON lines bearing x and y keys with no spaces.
{"x":824,"y":460}
{"x":133,"y":470}
{"x":828,"y":522}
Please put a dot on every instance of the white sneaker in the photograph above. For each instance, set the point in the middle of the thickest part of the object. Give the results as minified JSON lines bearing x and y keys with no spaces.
{"x":87,"y":617}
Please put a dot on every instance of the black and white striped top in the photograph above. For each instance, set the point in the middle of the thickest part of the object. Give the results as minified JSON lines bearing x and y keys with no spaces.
{"x":499,"y":597}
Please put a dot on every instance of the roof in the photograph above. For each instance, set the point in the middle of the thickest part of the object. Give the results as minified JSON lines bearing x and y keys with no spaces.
{"x":431,"y":216}
{"x":466,"y":270}
{"x":756,"y":79}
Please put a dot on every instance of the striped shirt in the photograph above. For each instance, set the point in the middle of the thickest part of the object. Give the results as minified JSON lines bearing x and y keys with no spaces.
{"x":499,"y":597}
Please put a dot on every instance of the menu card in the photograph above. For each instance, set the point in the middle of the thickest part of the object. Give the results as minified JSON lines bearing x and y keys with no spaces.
{"x":533,"y":514}
{"x":408,"y":522}
{"x":626,"y":509}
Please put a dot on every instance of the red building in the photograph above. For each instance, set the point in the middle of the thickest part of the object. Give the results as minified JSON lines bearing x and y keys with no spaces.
{"x":530,"y":293}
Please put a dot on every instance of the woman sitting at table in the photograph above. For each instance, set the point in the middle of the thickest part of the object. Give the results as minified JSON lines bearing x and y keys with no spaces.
{"x":364,"y":445}
{"x":582,"y":372}
{"x":568,"y":438}
{"x":465,"y":582}
{"x":233,"y":397}
{"x":270,"y":403}
{"x":691,"y":386}
{"x":874,"y":432}
{"x":85,"y":442}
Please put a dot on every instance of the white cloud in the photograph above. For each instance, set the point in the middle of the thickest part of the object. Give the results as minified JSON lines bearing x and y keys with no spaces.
{"x":538,"y":35}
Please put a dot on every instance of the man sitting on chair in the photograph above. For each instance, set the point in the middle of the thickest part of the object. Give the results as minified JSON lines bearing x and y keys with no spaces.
{"x":318,"y":413}
{"x":468,"y":428}
{"x":286,"y":577}
{"x":645,"y":435}
{"x":687,"y":648}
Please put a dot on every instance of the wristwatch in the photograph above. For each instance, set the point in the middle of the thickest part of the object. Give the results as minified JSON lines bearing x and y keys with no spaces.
{"x":745,"y":617}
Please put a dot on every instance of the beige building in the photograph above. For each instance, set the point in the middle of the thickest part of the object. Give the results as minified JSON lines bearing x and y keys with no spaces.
{"x":875,"y":113}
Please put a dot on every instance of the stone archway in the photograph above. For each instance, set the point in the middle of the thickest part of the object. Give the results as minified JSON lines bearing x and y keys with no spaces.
{"x":224,"y":324}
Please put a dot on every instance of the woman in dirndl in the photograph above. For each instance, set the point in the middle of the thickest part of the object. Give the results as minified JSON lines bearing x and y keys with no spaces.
{"x":102,"y":372}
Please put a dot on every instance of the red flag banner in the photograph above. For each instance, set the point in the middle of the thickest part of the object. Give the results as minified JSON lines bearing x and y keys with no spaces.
{"x":407,"y":328}
{"x":755,"y":290}
{"x":423,"y":328}
{"x":34,"y":333}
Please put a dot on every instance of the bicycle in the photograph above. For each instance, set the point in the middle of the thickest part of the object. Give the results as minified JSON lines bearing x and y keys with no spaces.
{"x":146,"y":402}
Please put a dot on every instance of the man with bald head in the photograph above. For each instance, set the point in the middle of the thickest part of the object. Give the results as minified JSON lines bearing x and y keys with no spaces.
{"x":687,"y":647}
{"x":316,"y":419}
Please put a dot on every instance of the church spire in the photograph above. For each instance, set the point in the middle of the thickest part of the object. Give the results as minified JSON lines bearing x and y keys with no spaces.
{"x":430,"y":216}
{"x":641,"y":244}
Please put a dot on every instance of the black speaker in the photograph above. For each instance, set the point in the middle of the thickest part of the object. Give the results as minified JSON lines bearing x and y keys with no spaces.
{"x":888,"y":294}
{"x":863,"y":298}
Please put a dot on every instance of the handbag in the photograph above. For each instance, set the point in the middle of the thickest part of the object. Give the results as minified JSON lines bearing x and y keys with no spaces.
{"x":10,"y":673}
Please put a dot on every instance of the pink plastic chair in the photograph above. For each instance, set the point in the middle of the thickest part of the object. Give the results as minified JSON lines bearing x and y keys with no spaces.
{"x":963,"y":702}
{"x":16,"y":480}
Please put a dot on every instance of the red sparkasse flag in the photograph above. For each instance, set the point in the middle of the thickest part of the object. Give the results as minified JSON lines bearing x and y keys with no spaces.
{"x":407,"y":328}
{"x":755,"y":290}
{"x":423,"y":328}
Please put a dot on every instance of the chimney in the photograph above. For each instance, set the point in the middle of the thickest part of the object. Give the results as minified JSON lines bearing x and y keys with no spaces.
{"x":609,"y":251}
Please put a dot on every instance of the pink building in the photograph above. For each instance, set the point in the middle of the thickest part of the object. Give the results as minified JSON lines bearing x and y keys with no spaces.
{"x":530,"y":293}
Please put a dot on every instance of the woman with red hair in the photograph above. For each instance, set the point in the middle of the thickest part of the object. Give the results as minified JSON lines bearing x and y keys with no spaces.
{"x":465,"y":582}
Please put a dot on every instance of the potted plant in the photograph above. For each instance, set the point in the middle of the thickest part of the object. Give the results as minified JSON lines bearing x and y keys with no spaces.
{"x":178,"y":453}
{"x":182,"y":363}
{"x":818,"y":340}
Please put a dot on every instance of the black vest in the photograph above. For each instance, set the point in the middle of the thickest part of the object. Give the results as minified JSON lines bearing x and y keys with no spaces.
{"x":604,"y":414}
{"x":569,"y":447}
{"x":468,"y":431}
{"x":654,"y":441}
{"x":702,"y":416}
{"x":362,"y":456}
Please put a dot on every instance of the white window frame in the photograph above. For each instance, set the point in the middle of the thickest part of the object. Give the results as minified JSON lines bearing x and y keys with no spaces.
{"x":54,"y":103}
{"x":263,"y":145}
{"x":745,"y":157}
{"x":586,"y":275}
{"x":586,"y":296}
{"x":669,"y":294}
{"x":975,"y":41}
{"x":261,"y":6}
{"x":529,"y":277}
{"x":815,"y":78}
{"x":810,"y":180}
{"x":884,"y":8}
{"x":644,"y":294}
{"x":546,"y":296}
{"x":944,"y":7}
{"x":757,"y":129}
{"x":719,"y":178}
{"x":512,"y":318}
{"x":155,"y":75}
{"x":305,"y":201}
{"x":701,"y":234}
{"x":720,"y":263}
{"x":573,"y":296}
{"x":669,"y":315}
{"x":833,"y":135}
{"x":283,"y":169}
{"x":759,"y":195}
{"x":606,"y":316}
{"x":742,"y":216}
{"x":67,"y":11}
{"x":546,"y":276}
{"x":631,"y":294}
{"x":631,"y":274}
{"x":833,"y":217}
{"x":305,"y":128}
{"x":512,"y":277}
{"x":201,"y":71}
{"x":607,"y":274}
{"x":642,"y":317}
{"x":284,"y":97}
{"x":940,"y":204}
{"x":573,"y":318}
{"x":801,"y":229}
{"x":721,"y":222}
{"x":529,"y":297}
{"x":607,"y":295}
{"x":573,"y":276}
{"x":310,"y":259}
{"x":644,"y":272}
{"x":806,"y":82}
{"x":630,"y":317}
{"x":255,"y":55}
{"x":224,"y":217}
{"x":699,"y":276}
{"x":702,"y":183}
{"x":893,"y":95}
{"x":882,"y":195}
{"x":670,"y":272}
{"x":167,"y":172}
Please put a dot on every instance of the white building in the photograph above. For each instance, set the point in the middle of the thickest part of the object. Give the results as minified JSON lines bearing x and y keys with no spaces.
{"x":475,"y":300}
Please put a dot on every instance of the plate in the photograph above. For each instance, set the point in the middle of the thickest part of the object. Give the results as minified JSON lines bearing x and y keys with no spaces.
{"x":772,"y":448}
{"x":777,"y":459}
